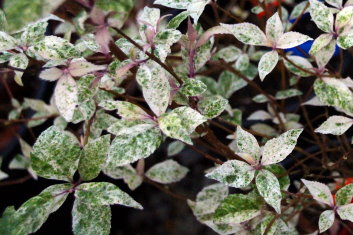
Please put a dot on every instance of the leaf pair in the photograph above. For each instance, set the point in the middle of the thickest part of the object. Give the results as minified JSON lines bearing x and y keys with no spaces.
{"x":240,"y":174}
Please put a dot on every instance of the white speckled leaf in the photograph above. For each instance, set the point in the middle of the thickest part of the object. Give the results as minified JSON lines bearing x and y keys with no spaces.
{"x":247,"y":33}
{"x":300,"y":62}
{"x":345,"y":41}
{"x":326,"y":220}
{"x":320,"y":42}
{"x":343,"y":17}
{"x":34,"y":33}
{"x":19,"y":61}
{"x":233,"y":173}
{"x":335,"y":125}
{"x":51,"y":74}
{"x":104,"y":193}
{"x":346,"y":212}
{"x":93,"y":157}
{"x":344,"y":195}
{"x":180,"y":123}
{"x":321,"y":15}
{"x":228,"y":54}
{"x":284,"y":94}
{"x":237,"y":208}
{"x":66,"y":97}
{"x":247,"y":143}
{"x":126,"y":110}
{"x":163,"y":41}
{"x":128,"y":149}
{"x":277,"y":149}
{"x":274,"y":28}
{"x":259,"y":115}
{"x":323,"y":56}
{"x":167,"y":172}
{"x":81,"y":67}
{"x":90,"y":219}
{"x":267,"y":63}
{"x":269,"y":188}
{"x":155,"y":87}
{"x":55,"y":48}
{"x":319,"y":191}
{"x":334,"y":92}
{"x":7,"y":42}
{"x":212,"y":106}
{"x":291,"y":39}
{"x":335,"y":3}
{"x":129,"y":127}
{"x":55,"y":155}
{"x":175,"y":147}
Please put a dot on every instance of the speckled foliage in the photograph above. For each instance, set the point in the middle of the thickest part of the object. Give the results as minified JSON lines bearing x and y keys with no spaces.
{"x":136,"y":88}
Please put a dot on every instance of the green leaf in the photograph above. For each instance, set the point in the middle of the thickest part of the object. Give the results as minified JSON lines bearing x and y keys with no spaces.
{"x":284,"y":94}
{"x":323,"y":56}
{"x":334,"y":92}
{"x":300,"y":62}
{"x":267,"y":63}
{"x":167,"y":172}
{"x":237,"y":208}
{"x":115,"y":5}
{"x":326,"y":220}
{"x":55,"y":155}
{"x":212,"y":106}
{"x":343,"y":17}
{"x":19,"y":61}
{"x":335,"y":125}
{"x":33,"y":213}
{"x":55,"y":48}
{"x":247,"y":33}
{"x":277,"y":149}
{"x":321,"y":15}
{"x":130,"y":127}
{"x":320,"y":42}
{"x":344,"y":195}
{"x":104,"y":193}
{"x":176,"y":21}
{"x":34,"y":33}
{"x":269,"y":188}
{"x":233,"y":173}
{"x":319,"y":191}
{"x":163,"y":41}
{"x":88,"y":219}
{"x":175,"y":148}
{"x":180,"y":123}
{"x":278,"y":170}
{"x":228,"y":83}
{"x":346,"y":212}
{"x":155,"y":87}
{"x":193,"y":87}
{"x":127,"y":149}
{"x":93,"y":157}
{"x":345,"y":41}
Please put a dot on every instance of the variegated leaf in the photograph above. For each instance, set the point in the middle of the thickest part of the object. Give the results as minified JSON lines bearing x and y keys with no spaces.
{"x":269,"y":188}
{"x":319,"y":191}
{"x":267,"y":63}
{"x":326,"y":220}
{"x":167,"y":172}
{"x":335,"y":125}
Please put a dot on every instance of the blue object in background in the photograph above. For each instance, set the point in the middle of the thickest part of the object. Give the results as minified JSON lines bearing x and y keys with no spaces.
{"x":305,"y":47}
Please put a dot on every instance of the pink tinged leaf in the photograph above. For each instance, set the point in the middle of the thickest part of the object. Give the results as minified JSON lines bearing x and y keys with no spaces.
{"x":103,"y":38}
{"x":124,"y":69}
{"x":291,"y":39}
{"x":210,"y":33}
{"x":65,"y":96}
{"x":192,"y":34}
{"x":150,"y":34}
{"x":97,"y":16}
{"x":51,"y":74}
{"x":82,"y":67}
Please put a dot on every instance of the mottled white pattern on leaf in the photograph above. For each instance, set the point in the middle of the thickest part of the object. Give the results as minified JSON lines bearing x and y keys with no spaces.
{"x":274,"y":28}
{"x":344,"y":195}
{"x":291,"y":39}
{"x":167,"y":172}
{"x":66,"y":97}
{"x":346,"y":212}
{"x":267,"y":63}
{"x":326,"y":220}
{"x":277,"y":149}
{"x":321,"y":15}
{"x":51,"y":74}
{"x":81,"y":67}
{"x":319,"y":191}
{"x":320,"y":42}
{"x":269,"y":188}
{"x":247,"y":143}
{"x":247,"y":33}
{"x":335,"y":125}
{"x":233,"y":173}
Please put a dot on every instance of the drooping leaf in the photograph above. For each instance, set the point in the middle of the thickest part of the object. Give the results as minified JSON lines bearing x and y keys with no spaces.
{"x":277,"y":149}
{"x":267,"y":63}
{"x":167,"y":172}
{"x":326,"y":220}
{"x":233,"y":173}
{"x":269,"y":188}
{"x":55,"y":155}
{"x":319,"y":191}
